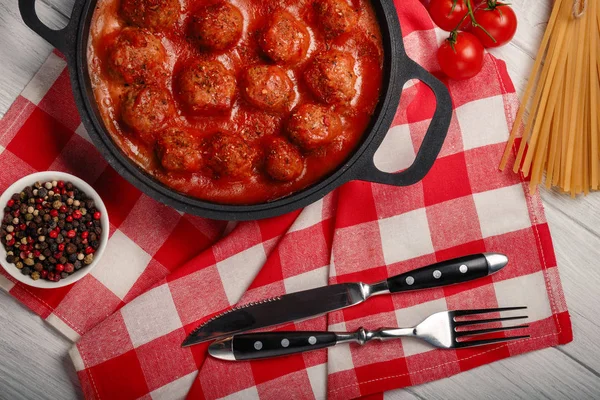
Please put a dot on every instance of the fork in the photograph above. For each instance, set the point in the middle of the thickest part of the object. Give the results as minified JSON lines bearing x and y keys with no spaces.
{"x":443,"y":329}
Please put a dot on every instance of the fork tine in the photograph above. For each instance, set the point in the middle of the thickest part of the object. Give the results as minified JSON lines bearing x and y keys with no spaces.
{"x":490,"y":330}
{"x":485,"y":321}
{"x":473,"y":343}
{"x":460,"y":313}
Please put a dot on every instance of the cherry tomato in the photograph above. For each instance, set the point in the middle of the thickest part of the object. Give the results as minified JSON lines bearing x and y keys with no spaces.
{"x":447,"y":15}
{"x":500,"y":21}
{"x":461,"y":56}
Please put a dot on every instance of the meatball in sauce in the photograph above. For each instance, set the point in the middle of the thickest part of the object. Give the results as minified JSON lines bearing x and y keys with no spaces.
{"x":331,"y":77}
{"x":230,"y":156}
{"x":156,"y":15}
{"x":268,"y":87}
{"x":312,"y":126}
{"x":179,"y":150}
{"x":137,"y":56}
{"x":206,"y":87}
{"x":283,"y":162}
{"x":286,"y":39}
{"x":216,"y":27}
{"x":336,"y":16}
{"x":146,"y":110}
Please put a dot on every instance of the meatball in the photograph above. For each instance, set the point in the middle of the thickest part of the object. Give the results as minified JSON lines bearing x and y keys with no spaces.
{"x":283,"y":162}
{"x":336,"y":16}
{"x":331,"y":77}
{"x":146,"y":110}
{"x":206,"y":87}
{"x":137,"y":56}
{"x":156,"y":15}
{"x":268,"y":87}
{"x":179,"y":150}
{"x":312,"y":126}
{"x":216,"y":27}
{"x":229,"y":155}
{"x":286,"y":40}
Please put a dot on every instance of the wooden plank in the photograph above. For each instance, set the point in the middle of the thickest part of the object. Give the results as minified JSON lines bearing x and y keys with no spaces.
{"x":22,"y":51}
{"x":580,"y":275}
{"x":34,"y":362}
{"x":543,"y":374}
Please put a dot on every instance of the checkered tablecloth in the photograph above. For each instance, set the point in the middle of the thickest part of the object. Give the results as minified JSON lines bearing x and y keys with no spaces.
{"x":163,"y":273}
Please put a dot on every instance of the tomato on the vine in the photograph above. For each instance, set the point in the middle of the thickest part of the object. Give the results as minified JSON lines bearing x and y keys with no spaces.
{"x":499,"y":20}
{"x":461,"y":55}
{"x":447,"y":14}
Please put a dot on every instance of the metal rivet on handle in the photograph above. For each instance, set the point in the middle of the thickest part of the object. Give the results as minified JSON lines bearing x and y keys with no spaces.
{"x":258,"y":345}
{"x":437,"y":274}
{"x":285,"y":343}
{"x":410,"y":280}
{"x":463,"y":269}
{"x":312,"y":340}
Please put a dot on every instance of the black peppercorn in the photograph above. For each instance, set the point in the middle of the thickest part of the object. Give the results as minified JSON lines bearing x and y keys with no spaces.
{"x":64,"y":275}
{"x":26,"y":270}
{"x":10,"y":259}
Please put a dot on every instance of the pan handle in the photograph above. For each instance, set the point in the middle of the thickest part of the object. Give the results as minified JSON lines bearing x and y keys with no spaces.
{"x":432,"y":142}
{"x":57,"y":38}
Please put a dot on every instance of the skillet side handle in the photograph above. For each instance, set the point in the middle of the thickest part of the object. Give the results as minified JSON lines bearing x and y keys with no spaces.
{"x":432,"y":142}
{"x":57,"y":38}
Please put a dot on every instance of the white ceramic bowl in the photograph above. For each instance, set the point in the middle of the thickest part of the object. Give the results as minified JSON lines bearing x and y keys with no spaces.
{"x":29,"y":180}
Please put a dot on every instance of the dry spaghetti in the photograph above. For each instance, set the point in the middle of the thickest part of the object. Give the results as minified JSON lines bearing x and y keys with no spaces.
{"x":560,"y":134}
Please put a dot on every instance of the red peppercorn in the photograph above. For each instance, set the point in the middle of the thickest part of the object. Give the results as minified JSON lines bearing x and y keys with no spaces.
{"x":11,"y":242}
{"x":56,"y":278}
{"x":44,"y":274}
{"x":16,"y":213}
{"x":38,"y":206}
{"x":63,"y":209}
{"x":22,"y":227}
{"x":61,"y":247}
{"x":58,"y":255}
{"x":77,"y":214}
{"x":97,"y":215}
{"x":29,"y":247}
{"x":50,"y":276}
{"x":84,"y":234}
{"x":60,"y":184}
{"x":71,"y":234}
{"x":69,"y":218}
{"x":39,"y":200}
{"x":10,"y":203}
{"x":59,"y":268}
{"x":23,"y":247}
{"x":30,"y":239}
{"x":36,"y":253}
{"x":69,"y":268}
{"x":53,"y":234}
{"x":89,"y":223}
{"x":89,"y":250}
{"x":54,"y":213}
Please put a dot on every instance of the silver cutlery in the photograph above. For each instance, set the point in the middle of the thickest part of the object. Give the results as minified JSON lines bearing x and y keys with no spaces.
{"x":445,"y":330}
{"x":314,"y":302}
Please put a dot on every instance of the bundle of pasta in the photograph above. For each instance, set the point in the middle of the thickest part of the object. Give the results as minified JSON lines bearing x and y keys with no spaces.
{"x":560,"y":134}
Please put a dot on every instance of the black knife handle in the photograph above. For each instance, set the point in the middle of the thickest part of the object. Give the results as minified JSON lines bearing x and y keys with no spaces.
{"x":255,"y":346}
{"x":444,"y":273}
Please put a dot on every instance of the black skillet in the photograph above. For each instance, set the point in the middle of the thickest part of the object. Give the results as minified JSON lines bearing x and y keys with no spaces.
{"x":72,"y":41}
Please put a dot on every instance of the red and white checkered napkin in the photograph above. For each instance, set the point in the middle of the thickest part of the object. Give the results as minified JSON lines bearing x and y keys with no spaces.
{"x":160,"y":277}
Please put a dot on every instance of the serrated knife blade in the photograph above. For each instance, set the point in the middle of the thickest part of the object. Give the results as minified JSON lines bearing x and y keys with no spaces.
{"x":279,"y":310}
{"x":319,"y":301}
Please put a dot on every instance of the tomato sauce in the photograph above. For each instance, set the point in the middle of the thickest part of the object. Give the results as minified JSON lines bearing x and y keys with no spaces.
{"x":254,"y":125}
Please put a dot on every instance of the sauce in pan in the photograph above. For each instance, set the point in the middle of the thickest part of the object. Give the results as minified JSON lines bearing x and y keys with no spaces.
{"x":236,"y":102}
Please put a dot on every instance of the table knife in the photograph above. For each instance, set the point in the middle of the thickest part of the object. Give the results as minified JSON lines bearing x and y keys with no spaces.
{"x":318,"y":301}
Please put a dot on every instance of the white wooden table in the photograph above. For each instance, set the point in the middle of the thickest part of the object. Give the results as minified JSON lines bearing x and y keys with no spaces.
{"x":33,"y":357}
